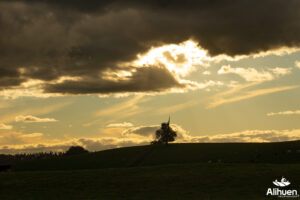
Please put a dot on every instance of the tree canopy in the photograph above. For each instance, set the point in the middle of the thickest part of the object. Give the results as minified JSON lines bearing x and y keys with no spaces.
{"x":76,"y":150}
{"x":165,"y":134}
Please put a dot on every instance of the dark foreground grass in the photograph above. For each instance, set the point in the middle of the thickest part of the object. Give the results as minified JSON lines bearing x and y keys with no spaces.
{"x":281,"y":152}
{"x":183,"y":181}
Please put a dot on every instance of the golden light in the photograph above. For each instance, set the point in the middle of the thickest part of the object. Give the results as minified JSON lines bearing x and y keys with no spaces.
{"x":117,"y":75}
{"x":180,"y":59}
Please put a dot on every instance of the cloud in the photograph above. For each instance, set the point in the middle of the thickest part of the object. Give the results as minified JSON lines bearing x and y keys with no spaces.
{"x":149,"y":132}
{"x":28,"y":143}
{"x":184,"y":136}
{"x":32,"y":119}
{"x":117,"y":125}
{"x":145,"y":79}
{"x":201,"y":16}
{"x":124,"y":109}
{"x":297,"y":64}
{"x":206,"y":73}
{"x":20,"y":139}
{"x":5,"y":104}
{"x":92,"y":144}
{"x":88,"y":39}
{"x":167,"y":110}
{"x":34,"y":110}
{"x":253,"y":136}
{"x":34,"y":88}
{"x":280,"y":71}
{"x":288,"y":112}
{"x":225,"y":98}
{"x":252,"y":75}
{"x":5,"y":127}
{"x":142,"y":130}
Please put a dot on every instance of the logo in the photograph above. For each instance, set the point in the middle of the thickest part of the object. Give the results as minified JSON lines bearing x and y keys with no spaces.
{"x":282,"y":183}
{"x":292,"y":193}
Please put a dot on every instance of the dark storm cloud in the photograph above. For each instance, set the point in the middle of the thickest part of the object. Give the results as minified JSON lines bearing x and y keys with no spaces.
{"x":9,"y":77}
{"x":152,"y":79}
{"x":53,"y":38}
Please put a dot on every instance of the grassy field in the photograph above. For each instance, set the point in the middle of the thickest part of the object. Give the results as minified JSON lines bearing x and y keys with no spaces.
{"x":285,"y":152}
{"x":185,"y":181}
{"x":179,"y":171}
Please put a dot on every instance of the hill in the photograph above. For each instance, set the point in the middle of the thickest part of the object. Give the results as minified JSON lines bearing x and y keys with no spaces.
{"x":181,"y":181}
{"x":280,"y":152}
{"x":178,"y":171}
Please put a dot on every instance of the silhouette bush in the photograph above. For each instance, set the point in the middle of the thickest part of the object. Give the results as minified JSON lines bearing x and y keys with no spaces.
{"x":74,"y":150}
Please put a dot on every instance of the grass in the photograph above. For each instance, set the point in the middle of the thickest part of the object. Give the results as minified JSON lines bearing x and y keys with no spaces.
{"x":181,"y":181}
{"x":179,"y":171}
{"x":284,"y":152}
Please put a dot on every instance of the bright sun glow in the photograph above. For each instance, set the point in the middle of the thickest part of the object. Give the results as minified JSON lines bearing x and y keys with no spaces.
{"x":180,"y":59}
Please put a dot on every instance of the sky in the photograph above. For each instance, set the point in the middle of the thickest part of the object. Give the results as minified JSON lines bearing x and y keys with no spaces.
{"x":106,"y":74}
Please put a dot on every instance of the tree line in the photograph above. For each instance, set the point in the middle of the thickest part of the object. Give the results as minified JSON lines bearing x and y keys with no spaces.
{"x":164,"y":135}
{"x":9,"y":159}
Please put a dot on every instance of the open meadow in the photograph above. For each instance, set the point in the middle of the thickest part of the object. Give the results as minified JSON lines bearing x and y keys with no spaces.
{"x":178,"y":171}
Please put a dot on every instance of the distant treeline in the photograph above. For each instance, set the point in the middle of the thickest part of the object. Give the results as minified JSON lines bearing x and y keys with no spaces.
{"x":10,"y":159}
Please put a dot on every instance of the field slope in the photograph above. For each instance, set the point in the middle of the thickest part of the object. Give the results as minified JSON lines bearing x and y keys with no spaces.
{"x":178,"y":171}
{"x":186,"y":181}
{"x":281,"y":152}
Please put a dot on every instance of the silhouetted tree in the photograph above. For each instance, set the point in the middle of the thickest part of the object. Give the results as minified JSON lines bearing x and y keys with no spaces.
{"x":73,"y":150}
{"x":165,"y":134}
